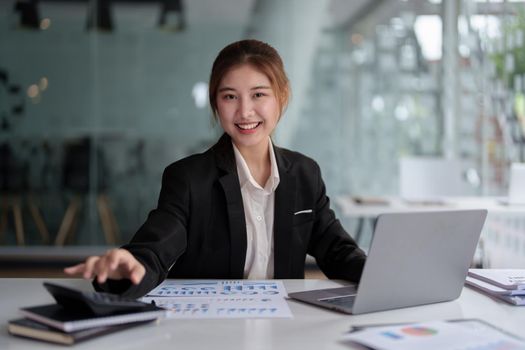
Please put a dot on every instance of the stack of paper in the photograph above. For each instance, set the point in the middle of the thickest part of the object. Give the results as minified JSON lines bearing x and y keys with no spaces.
{"x":505,"y":284}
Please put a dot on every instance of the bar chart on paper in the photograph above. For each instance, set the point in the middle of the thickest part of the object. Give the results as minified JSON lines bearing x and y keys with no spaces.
{"x":172,"y":288}
{"x":221,"y":299}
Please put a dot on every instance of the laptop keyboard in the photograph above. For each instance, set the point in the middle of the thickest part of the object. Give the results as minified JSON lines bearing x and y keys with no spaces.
{"x":346,"y":300}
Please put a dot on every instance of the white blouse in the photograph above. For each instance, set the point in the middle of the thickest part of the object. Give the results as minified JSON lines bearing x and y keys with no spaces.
{"x":259,"y":212}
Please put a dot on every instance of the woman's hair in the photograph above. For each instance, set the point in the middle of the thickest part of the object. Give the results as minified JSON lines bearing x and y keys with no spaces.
{"x":257,"y":54}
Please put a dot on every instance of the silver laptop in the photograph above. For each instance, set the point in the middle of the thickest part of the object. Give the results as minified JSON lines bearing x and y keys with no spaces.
{"x":414,"y":259}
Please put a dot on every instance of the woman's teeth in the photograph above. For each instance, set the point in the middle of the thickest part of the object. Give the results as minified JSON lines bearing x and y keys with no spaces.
{"x":248,"y":126}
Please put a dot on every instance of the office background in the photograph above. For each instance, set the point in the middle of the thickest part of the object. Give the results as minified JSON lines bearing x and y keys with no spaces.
{"x":98,"y":96}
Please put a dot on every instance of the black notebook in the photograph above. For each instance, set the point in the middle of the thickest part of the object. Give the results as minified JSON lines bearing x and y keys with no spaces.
{"x":67,"y":320}
{"x":24,"y":327}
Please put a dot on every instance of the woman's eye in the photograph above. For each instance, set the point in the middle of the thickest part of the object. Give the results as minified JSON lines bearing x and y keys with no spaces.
{"x":258,"y":94}
{"x":228,"y":97}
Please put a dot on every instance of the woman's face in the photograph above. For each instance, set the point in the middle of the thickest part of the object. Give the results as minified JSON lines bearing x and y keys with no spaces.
{"x":247,"y":106}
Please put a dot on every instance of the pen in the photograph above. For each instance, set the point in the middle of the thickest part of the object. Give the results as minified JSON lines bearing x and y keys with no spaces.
{"x":360,"y":327}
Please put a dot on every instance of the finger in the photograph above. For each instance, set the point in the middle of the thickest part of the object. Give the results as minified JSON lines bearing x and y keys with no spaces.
{"x":123,"y":269}
{"x":89,"y":266}
{"x":137,"y":273}
{"x":133,"y":269}
{"x":101,"y":269}
{"x":76,"y":269}
{"x":114,"y":257}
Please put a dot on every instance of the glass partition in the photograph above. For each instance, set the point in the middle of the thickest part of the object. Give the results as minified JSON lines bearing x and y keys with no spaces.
{"x":98,"y":97}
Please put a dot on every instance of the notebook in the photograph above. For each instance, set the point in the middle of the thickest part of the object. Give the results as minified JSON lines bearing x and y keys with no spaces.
{"x":504,"y":278}
{"x":512,"y":296}
{"x":57,"y":316}
{"x":414,"y":259}
{"x":24,"y":327}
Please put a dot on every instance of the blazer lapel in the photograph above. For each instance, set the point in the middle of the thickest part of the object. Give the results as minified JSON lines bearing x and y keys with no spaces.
{"x":230,"y":183}
{"x":283,"y":218}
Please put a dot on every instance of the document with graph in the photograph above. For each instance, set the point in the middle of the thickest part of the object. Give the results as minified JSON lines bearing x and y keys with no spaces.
{"x":221,"y":298}
{"x":436,"y":335}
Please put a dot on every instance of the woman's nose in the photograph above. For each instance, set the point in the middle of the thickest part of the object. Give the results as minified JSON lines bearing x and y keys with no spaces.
{"x":246,"y":108}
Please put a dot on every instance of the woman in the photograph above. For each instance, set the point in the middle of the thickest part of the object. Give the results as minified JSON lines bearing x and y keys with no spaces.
{"x":244,"y":208}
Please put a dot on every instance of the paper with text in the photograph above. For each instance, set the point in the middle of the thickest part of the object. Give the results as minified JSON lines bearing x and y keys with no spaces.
{"x":197,"y":288}
{"x":436,"y":335}
{"x":221,"y":299}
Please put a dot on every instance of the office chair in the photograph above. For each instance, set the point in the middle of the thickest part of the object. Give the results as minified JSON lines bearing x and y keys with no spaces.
{"x":76,"y":179}
{"x":14,"y":184}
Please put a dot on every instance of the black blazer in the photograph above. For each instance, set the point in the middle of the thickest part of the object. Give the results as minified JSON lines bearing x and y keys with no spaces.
{"x":198,"y":229}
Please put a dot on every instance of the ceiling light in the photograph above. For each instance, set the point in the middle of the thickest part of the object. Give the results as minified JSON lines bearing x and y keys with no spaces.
{"x":172,"y":15}
{"x":28,"y":14}
{"x":99,"y":15}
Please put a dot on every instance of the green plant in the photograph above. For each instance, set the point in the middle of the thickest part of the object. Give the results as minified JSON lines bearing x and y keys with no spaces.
{"x":518,"y":53}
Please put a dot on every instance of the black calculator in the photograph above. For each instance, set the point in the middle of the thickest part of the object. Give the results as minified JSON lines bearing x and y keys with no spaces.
{"x":95,"y":302}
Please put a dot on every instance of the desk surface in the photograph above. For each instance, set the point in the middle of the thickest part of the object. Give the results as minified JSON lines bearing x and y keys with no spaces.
{"x":311,"y":327}
{"x":350,"y":208}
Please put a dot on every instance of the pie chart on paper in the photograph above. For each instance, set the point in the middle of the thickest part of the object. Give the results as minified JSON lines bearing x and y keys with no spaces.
{"x":419,"y":331}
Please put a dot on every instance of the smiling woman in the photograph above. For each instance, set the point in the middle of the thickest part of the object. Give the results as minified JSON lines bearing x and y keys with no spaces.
{"x":248,"y":111}
{"x":243,"y":209}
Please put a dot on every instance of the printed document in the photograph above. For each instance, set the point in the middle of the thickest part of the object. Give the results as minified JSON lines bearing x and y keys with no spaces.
{"x":221,"y":299}
{"x":437,"y":335}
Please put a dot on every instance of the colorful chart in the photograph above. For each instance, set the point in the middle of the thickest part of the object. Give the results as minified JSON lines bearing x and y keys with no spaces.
{"x":419,"y":331}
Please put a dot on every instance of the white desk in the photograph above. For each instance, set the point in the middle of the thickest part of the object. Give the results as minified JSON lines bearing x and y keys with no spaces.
{"x":503,"y":235}
{"x":494,"y":205}
{"x":311,"y":327}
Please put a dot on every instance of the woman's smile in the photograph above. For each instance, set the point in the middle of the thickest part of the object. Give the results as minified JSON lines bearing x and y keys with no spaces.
{"x":248,"y":128}
{"x":247,"y":107}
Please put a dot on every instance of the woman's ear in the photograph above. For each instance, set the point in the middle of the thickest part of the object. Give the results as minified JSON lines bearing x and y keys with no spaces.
{"x":285,"y":97}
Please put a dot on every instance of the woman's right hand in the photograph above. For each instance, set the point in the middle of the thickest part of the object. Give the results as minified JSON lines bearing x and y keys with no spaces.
{"x":115,"y":264}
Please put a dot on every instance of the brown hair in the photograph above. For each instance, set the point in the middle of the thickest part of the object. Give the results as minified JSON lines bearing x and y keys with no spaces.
{"x":256,"y":53}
